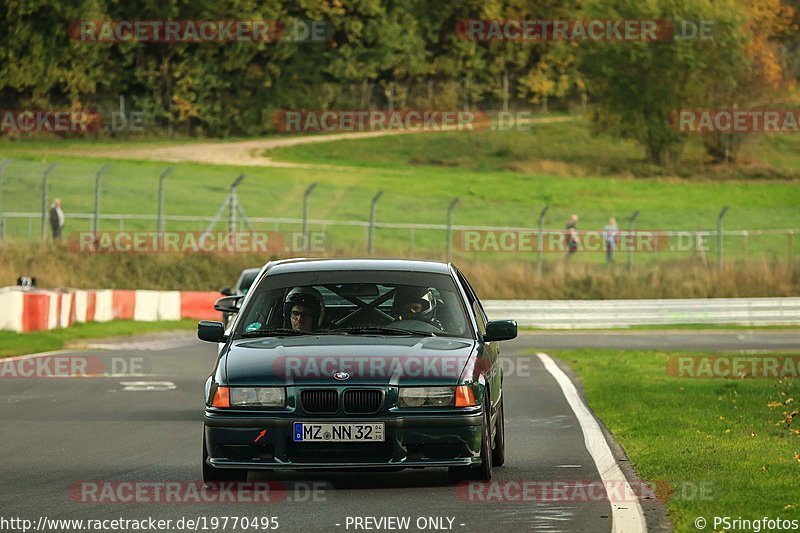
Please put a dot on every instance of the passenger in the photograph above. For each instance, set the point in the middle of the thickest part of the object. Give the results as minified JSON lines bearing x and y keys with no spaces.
{"x":415,"y":303}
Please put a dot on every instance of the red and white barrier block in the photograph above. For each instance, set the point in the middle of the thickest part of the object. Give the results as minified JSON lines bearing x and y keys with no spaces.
{"x":11,"y":304}
{"x":24,"y":310}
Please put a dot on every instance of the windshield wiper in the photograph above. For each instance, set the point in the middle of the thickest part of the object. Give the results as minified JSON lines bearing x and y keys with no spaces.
{"x":383,"y":330}
{"x":277,"y":332}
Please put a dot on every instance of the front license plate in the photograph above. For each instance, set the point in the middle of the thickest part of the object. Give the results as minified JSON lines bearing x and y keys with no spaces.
{"x":324,"y":432}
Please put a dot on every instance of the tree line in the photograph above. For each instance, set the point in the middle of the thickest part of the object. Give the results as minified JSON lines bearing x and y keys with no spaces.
{"x":395,"y":54}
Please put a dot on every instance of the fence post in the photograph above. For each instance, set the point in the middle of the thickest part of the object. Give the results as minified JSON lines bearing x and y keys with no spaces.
{"x":45,"y":175}
{"x":233,"y":203}
{"x":305,"y":214}
{"x":371,"y":237}
{"x":631,"y":223}
{"x":540,"y":240}
{"x":96,"y":219}
{"x":450,"y":208}
{"x":720,"y":254}
{"x":3,"y":166}
{"x":160,"y":223}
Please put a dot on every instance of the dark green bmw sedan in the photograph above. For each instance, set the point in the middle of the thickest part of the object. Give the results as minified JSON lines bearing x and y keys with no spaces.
{"x":355,"y":364}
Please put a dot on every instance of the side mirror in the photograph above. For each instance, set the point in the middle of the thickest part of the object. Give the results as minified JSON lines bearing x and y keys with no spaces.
{"x":208,"y":330}
{"x":229,"y":304}
{"x":500,"y":330}
{"x":226,"y":291}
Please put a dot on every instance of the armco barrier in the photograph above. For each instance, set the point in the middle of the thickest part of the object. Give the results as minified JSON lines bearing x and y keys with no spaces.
{"x":573,"y":314}
{"x":34,"y":310}
{"x":23,"y":310}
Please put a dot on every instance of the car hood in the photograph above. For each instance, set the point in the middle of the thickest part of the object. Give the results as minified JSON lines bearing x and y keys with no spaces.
{"x":367,"y":360}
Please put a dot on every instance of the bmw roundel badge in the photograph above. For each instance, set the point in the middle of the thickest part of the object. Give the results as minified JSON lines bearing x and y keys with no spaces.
{"x":341,"y":376}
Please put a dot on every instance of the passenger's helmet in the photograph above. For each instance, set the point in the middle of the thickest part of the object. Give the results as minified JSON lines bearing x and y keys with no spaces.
{"x":415,"y":303}
{"x":309,"y":297}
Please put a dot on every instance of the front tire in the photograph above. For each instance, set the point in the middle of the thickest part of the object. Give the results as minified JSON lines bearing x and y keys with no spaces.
{"x":216,"y":475}
{"x":499,"y":450}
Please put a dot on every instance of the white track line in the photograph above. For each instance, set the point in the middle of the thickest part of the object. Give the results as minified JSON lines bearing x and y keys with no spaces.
{"x":627,"y":517}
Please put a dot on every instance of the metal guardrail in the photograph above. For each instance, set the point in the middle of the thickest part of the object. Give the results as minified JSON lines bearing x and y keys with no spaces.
{"x":576,"y":314}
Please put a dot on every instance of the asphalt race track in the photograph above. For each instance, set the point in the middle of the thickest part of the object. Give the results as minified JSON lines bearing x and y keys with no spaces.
{"x":62,"y":435}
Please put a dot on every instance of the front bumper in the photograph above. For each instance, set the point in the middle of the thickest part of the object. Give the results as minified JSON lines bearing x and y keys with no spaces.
{"x":250,"y":441}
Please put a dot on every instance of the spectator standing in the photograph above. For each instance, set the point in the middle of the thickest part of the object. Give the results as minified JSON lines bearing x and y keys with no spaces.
{"x":611,"y":238}
{"x":56,"y":219}
{"x":572,"y":235}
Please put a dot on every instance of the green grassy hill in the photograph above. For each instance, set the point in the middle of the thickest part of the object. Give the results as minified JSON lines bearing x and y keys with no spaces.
{"x":502,"y":178}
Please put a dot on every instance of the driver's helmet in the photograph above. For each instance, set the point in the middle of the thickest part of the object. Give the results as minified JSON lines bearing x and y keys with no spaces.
{"x":309,"y":297}
{"x":414,"y":303}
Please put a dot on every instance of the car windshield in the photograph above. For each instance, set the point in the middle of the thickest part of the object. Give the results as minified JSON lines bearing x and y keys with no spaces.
{"x":355,"y":303}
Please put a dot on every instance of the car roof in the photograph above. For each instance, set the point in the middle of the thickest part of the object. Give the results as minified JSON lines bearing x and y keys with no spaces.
{"x":305,"y":265}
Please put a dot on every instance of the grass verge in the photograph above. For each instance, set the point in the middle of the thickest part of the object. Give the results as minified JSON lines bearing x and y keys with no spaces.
{"x":44,"y":341}
{"x":735,"y":438}
{"x":502,"y":178}
{"x":58,"y":266}
{"x":541,"y":148}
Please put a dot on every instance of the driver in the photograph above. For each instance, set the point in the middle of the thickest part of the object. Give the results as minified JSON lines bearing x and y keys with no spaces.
{"x":415,"y":303}
{"x":304,"y":309}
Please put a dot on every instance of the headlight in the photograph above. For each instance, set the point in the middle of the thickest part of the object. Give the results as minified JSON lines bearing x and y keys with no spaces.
{"x":426,"y":397}
{"x":258,"y":396}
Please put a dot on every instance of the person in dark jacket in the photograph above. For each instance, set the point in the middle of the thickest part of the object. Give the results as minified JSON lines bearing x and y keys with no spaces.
{"x":56,"y":219}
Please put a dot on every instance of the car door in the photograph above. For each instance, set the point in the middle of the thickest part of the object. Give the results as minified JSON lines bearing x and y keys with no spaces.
{"x":491,"y":350}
